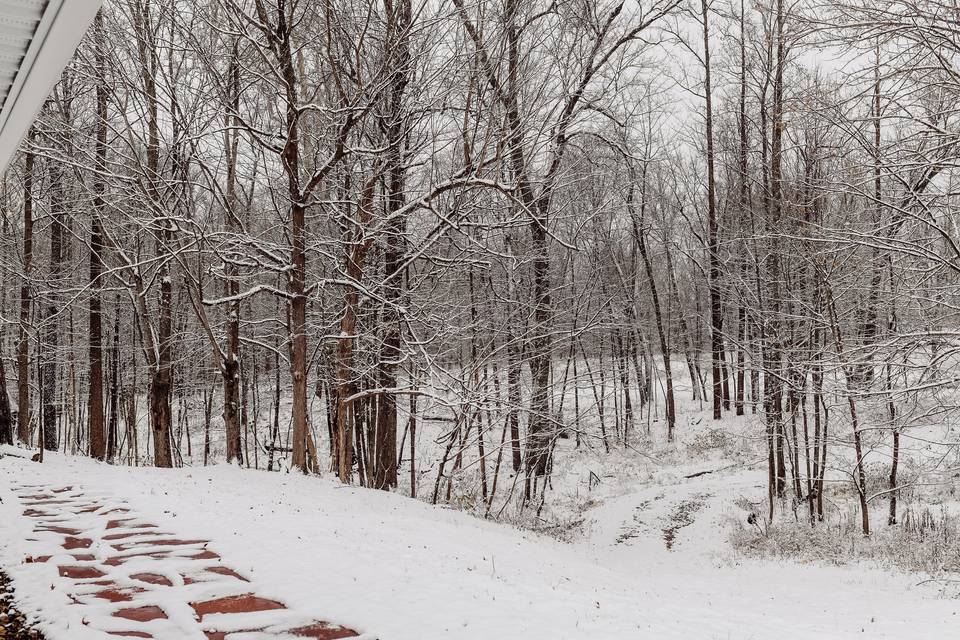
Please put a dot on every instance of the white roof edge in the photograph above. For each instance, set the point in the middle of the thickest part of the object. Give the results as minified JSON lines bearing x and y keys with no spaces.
{"x":58,"y":34}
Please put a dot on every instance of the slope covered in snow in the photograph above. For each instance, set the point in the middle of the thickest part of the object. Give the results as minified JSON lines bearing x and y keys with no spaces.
{"x":402,"y":570}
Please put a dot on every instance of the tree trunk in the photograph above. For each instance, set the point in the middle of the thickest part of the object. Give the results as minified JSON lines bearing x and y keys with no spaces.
{"x":385,"y":475}
{"x":639,"y":233}
{"x":713,"y":245}
{"x":860,"y":480}
{"x":156,"y":343}
{"x":95,"y":418}
{"x":6,"y":421}
{"x":114,"y":421}
{"x":23,"y":345}
{"x":296,"y":277}
{"x":539,"y":427}
{"x":51,"y":330}
{"x":230,"y":368}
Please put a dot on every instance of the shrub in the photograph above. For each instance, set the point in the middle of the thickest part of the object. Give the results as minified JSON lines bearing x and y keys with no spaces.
{"x":925,"y":541}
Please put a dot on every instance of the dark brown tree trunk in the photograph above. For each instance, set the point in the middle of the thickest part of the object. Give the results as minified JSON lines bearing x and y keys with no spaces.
{"x":713,"y":244}
{"x":774,"y":274}
{"x":413,"y":445}
{"x":539,"y":419}
{"x":861,"y":480}
{"x":513,"y":400}
{"x":892,"y":414}
{"x":795,"y":449}
{"x":894,"y":464}
{"x":51,"y":330}
{"x":741,"y":357}
{"x":23,"y":344}
{"x":623,"y":369}
{"x":275,"y":419}
{"x":6,"y":417}
{"x":230,"y":367}
{"x":773,"y":205}
{"x":95,"y":418}
{"x":114,"y":386}
{"x":819,"y":430}
{"x":296,"y":278}
{"x":207,"y":412}
{"x":539,"y":428}
{"x":245,"y":414}
{"x":161,"y":385}
{"x":725,"y":372}
{"x":398,"y":17}
{"x":156,"y":344}
{"x":342,"y":452}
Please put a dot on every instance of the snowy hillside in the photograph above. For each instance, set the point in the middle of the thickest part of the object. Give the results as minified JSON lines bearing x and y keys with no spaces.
{"x":403,"y":570}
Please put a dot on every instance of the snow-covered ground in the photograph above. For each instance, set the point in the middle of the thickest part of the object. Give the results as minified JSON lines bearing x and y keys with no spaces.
{"x":402,"y":570}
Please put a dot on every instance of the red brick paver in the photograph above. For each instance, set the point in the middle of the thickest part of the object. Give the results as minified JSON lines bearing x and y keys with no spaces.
{"x":137,"y":581}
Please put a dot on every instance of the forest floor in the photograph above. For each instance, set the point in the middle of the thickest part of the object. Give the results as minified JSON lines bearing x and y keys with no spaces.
{"x":649,"y":558}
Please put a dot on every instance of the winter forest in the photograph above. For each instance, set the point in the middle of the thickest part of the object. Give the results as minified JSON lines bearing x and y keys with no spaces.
{"x":670,"y":286}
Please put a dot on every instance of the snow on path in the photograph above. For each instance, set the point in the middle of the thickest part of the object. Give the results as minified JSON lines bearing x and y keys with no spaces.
{"x":630,"y":532}
{"x":675,"y":514}
{"x":127,"y":577}
{"x":405,"y":570}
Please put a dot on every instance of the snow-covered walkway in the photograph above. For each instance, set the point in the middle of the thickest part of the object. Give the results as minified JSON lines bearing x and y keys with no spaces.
{"x":130,"y":578}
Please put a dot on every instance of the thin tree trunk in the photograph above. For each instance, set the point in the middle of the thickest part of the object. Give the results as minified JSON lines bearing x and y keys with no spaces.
{"x":51,"y":329}
{"x":230,"y":367}
{"x":98,"y":444}
{"x":114,"y":386}
{"x":640,"y":236}
{"x":892,"y":413}
{"x":23,"y":345}
{"x":6,"y":422}
{"x":860,"y":480}
{"x":6,"y":417}
{"x":688,"y":349}
{"x":413,"y":444}
{"x":713,"y":247}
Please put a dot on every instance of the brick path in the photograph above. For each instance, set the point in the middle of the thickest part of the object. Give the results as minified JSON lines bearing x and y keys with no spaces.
{"x":136,"y":581}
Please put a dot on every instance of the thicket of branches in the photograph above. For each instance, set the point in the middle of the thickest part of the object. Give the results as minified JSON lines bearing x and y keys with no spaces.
{"x":305,"y":220}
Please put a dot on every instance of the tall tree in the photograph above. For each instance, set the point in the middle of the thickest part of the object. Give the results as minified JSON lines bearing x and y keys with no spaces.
{"x":95,"y":416}
{"x":26,"y":299}
{"x":49,"y":344}
{"x":398,"y":17}
{"x":713,"y":233}
{"x":157,"y":337}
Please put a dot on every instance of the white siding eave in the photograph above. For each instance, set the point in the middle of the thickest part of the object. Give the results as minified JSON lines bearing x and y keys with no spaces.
{"x":37,"y":40}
